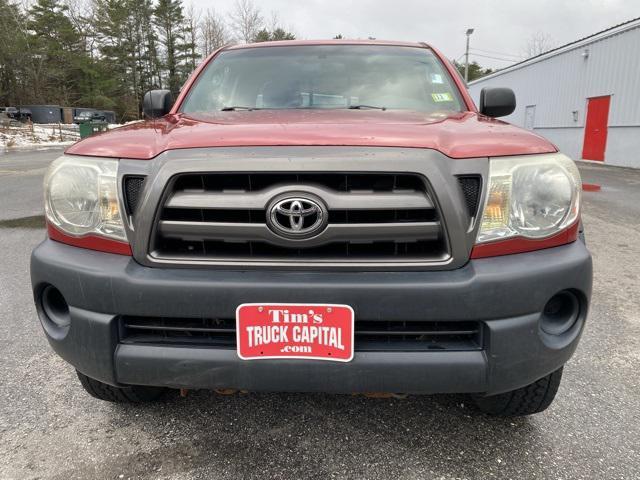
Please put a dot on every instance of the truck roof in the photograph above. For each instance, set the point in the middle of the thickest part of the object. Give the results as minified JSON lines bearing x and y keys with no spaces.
{"x":342,"y":41}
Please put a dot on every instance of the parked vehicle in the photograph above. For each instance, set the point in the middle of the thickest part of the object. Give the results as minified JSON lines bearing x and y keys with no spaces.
{"x":11,"y":112}
{"x":90,"y":116}
{"x":17,"y":114}
{"x":317,"y":216}
{"x":24,"y":115}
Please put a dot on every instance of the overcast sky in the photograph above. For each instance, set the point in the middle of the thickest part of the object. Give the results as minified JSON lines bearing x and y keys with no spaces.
{"x":501,"y":27}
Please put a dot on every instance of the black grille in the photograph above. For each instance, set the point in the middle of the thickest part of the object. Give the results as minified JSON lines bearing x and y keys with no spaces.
{"x":470,"y":186}
{"x":179,"y":331}
{"x":372,"y":217}
{"x":132,"y":190}
{"x":252,"y":182}
{"x":370,"y":335}
{"x":354,"y":251}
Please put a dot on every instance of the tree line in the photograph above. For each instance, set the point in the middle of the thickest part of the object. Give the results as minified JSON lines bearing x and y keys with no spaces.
{"x":107,"y":53}
{"x":476,"y":70}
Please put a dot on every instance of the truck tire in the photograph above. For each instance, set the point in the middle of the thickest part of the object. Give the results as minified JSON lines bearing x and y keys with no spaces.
{"x":109,"y":393}
{"x":530,"y":399}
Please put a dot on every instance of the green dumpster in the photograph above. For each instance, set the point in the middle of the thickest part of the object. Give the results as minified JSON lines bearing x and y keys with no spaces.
{"x":89,"y":128}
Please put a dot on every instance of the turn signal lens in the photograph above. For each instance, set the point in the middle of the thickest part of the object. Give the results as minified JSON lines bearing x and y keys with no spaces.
{"x":496,"y":211}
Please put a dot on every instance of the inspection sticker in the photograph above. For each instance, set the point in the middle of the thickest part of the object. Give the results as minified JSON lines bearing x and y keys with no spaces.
{"x":308,"y":331}
{"x":442,"y":97}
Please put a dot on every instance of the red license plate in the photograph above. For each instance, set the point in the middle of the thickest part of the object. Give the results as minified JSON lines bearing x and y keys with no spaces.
{"x":310,"y":331}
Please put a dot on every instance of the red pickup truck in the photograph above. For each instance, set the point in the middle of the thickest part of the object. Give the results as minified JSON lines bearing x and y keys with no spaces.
{"x":333,"y":216}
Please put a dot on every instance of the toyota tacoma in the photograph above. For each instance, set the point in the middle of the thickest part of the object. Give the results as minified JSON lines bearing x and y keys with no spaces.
{"x":334,"y":216}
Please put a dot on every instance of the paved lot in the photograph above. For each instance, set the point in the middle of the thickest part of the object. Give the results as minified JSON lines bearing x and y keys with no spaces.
{"x":49,"y":428}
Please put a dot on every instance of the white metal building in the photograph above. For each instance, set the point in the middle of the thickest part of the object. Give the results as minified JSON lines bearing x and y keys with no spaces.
{"x":584,"y":96}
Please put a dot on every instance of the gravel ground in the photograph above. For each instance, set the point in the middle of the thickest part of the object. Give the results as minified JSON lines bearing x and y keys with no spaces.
{"x":49,"y":428}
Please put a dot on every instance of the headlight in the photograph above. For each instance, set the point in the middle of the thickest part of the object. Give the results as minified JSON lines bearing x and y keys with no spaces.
{"x":531,"y":196}
{"x":81,"y":197}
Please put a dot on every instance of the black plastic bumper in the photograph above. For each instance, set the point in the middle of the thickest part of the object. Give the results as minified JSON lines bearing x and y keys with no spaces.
{"x":506,"y":293}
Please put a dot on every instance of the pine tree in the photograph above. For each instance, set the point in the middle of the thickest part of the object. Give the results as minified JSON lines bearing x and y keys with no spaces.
{"x":113,"y":26}
{"x":169,"y":19}
{"x":281,"y":34}
{"x":475,"y":70}
{"x":11,"y":48}
{"x":57,"y":49}
{"x":263,"y":35}
{"x":129,"y":64}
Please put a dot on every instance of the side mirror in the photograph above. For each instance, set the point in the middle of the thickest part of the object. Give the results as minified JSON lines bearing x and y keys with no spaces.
{"x":497,"y":101}
{"x":157,"y":103}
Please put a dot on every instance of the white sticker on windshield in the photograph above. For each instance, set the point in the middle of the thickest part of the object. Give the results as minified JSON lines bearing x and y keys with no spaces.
{"x":436,"y":78}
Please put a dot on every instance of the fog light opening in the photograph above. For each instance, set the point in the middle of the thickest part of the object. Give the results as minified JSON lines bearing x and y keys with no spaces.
{"x":560,"y":313}
{"x":55,"y":307}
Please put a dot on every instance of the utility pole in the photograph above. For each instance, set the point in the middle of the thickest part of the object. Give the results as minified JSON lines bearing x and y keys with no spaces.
{"x":466,"y":56}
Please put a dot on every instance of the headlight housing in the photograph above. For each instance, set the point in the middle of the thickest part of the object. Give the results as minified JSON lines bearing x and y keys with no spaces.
{"x":81,"y":197}
{"x":533,"y":196}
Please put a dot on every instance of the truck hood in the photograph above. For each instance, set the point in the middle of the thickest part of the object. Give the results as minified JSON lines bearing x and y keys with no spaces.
{"x":459,"y":135}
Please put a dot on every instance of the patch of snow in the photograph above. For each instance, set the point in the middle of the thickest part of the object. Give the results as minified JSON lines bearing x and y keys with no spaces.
{"x":40,"y":135}
{"x":29,"y":136}
{"x":35,"y":135}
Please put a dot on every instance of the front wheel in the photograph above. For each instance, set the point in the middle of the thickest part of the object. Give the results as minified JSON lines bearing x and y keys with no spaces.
{"x":109,"y":393}
{"x":530,"y":399}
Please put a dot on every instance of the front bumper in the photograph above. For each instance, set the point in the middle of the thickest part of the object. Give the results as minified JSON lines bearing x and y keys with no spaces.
{"x":506,"y":293}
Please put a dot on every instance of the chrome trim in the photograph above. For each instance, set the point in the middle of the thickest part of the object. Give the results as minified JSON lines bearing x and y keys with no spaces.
{"x":296,"y":214}
{"x":331,"y":233}
{"x":354,"y":200}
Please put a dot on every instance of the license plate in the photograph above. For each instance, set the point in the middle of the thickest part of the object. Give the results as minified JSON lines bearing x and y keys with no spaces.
{"x":294,"y":330}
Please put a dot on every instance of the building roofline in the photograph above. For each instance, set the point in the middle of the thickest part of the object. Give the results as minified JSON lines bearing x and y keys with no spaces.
{"x":602,"y":34}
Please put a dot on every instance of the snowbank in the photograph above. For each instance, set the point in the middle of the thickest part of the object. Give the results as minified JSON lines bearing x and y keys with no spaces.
{"x":29,"y":136}
{"x":42,"y":135}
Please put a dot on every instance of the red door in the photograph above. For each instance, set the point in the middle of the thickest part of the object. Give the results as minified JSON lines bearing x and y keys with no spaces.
{"x":595,"y":129}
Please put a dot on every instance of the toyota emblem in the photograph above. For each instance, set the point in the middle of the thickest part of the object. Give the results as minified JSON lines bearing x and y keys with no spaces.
{"x":297,"y":217}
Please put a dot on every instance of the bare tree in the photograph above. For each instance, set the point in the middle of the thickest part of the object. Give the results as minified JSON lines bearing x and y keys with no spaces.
{"x":538,"y":43}
{"x":278,"y":30}
{"x":246,"y":20}
{"x":274,"y":21}
{"x":213,"y":32}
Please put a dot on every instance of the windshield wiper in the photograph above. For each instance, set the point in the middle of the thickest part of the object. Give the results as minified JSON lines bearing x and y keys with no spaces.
{"x":368,"y":107}
{"x":239,"y":107}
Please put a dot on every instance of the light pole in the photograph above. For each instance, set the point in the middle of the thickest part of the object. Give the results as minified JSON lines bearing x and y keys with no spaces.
{"x":466,"y":56}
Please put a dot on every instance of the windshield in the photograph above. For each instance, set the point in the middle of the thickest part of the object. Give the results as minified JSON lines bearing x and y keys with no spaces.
{"x":324,"y":76}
